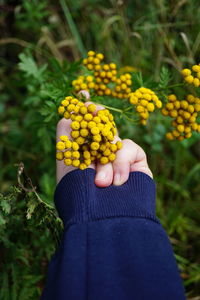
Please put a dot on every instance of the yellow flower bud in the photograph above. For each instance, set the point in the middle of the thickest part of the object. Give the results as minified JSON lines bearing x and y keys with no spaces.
{"x":107,"y":152}
{"x":190,"y":108}
{"x":103,"y":147}
{"x":186,"y":115}
{"x":85,"y":61}
{"x":75,"y":146}
{"x":196,"y":68}
{"x":119,"y":145}
{"x":140,"y":108}
{"x":76,"y":154}
{"x":64,"y":138}
{"x":100,"y":56}
{"x":75,"y":134}
{"x":65,"y":102}
{"x":61,"y":110}
{"x":68,"y":144}
{"x":91,"y":85}
{"x":180,"y":128}
{"x":143,"y":102}
{"x":91,"y":53}
{"x":169,"y":136}
{"x":169,"y":106}
{"x":186,"y":72}
{"x":165,"y":112}
{"x":79,"y":118}
{"x":96,"y":61}
{"x":175,"y":133}
{"x":67,"y":154}
{"x":84,"y":132}
{"x":88,"y":117}
{"x":83,"y":110}
{"x":89,"y":78}
{"x":94,"y":146}
{"x":75,"y":125}
{"x":93,"y":152}
{"x":67,"y":115}
{"x":197,"y":107}
{"x":95,"y":130}
{"x":60,"y":146}
{"x":86,"y":154}
{"x":113,"y":147}
{"x":70,"y":107}
{"x":189,"y":79}
{"x":84,"y":124}
{"x":133,"y":99}
{"x":59,"y":155}
{"x":75,"y":162}
{"x":110,"y":136}
{"x":97,"y":138}
{"x":96,"y":119}
{"x":111,"y":157}
{"x":89,"y":66}
{"x":82,"y":166}
{"x":80,"y":140}
{"x":87,"y":162}
{"x":68,"y":161}
{"x":173,"y":113}
{"x":177,"y":104}
{"x":104,"y":160}
{"x":196,"y":82}
{"x":150,"y":107}
{"x":91,"y":108}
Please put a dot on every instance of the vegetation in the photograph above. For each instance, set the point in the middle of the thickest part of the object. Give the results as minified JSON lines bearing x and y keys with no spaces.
{"x":41,"y":50}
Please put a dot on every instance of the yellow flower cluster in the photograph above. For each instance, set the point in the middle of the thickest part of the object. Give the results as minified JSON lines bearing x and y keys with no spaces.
{"x":184,"y":113}
{"x":92,"y":135}
{"x":103,"y":75}
{"x":192,"y":76}
{"x":122,"y":88}
{"x":83,"y":83}
{"x":145,"y":101}
{"x":93,"y":61}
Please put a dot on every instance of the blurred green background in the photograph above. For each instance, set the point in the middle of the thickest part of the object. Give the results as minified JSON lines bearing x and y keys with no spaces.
{"x":41,"y":45}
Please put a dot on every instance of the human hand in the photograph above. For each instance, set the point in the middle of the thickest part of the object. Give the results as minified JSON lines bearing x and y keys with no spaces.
{"x":128,"y":159}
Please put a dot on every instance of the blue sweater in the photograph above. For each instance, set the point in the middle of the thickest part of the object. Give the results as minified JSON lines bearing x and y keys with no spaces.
{"x":113,"y":246}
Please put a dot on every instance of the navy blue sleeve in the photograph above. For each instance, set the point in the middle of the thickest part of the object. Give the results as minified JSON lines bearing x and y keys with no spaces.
{"x":113,"y":246}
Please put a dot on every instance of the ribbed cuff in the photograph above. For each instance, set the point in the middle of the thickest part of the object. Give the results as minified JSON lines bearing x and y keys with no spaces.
{"x":78,"y":199}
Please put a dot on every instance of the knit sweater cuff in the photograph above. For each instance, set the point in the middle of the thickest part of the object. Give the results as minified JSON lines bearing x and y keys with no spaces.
{"x":78,"y":199}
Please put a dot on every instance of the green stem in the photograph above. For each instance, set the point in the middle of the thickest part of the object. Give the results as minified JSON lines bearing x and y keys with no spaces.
{"x":170,"y":86}
{"x":128,"y":108}
{"x":110,"y":107}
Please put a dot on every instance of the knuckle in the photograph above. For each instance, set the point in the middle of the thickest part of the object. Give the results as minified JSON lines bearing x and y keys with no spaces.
{"x":62,"y":122}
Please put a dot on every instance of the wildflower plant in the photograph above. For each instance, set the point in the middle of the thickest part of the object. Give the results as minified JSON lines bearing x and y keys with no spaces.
{"x":92,"y":135}
{"x":105,"y":79}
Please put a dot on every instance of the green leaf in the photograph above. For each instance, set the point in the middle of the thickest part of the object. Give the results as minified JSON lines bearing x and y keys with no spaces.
{"x":165,"y":77}
{"x":30,"y":68}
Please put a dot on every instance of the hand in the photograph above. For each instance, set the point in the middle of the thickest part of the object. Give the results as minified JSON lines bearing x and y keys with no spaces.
{"x":128,"y":159}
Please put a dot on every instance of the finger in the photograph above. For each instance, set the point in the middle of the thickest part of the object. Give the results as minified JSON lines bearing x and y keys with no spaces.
{"x":130,"y":158}
{"x":63,"y":128}
{"x":104,"y":175}
{"x":84,"y":94}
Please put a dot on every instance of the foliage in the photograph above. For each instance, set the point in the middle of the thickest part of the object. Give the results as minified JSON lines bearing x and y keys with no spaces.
{"x":42,"y":41}
{"x":22,"y":274}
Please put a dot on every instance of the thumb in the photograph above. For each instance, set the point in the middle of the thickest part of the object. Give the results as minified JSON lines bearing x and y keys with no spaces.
{"x":128,"y":159}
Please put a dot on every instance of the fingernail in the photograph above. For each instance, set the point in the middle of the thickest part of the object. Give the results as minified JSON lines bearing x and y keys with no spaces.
{"x":100,"y":176}
{"x":117,"y":179}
